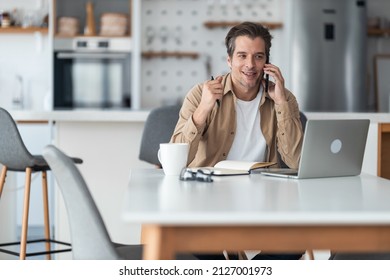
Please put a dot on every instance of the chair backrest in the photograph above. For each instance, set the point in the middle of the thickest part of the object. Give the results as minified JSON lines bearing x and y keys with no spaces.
{"x":303,"y":119}
{"x":13,"y":152}
{"x":89,"y":236}
{"x":159,"y":127}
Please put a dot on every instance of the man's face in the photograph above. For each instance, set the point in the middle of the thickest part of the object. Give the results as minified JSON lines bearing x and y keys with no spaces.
{"x":247,"y":62}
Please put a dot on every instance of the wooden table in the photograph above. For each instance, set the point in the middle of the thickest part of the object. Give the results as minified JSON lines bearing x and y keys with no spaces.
{"x":257,"y":212}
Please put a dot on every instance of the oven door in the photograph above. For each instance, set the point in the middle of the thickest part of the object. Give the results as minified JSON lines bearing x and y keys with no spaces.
{"x":91,"y":80}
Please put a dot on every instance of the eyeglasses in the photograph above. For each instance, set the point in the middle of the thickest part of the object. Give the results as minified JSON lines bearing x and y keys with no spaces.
{"x":189,"y":175}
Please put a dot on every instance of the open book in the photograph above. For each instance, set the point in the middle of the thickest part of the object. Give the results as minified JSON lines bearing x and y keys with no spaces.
{"x":234,"y":167}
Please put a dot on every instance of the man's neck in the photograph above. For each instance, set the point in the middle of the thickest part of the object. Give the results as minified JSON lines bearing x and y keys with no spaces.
{"x":245,"y":94}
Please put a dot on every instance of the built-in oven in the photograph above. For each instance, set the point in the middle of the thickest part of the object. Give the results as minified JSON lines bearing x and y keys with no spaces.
{"x":92,"y":72}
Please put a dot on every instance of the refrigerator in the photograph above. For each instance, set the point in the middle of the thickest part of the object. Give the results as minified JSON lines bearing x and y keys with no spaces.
{"x":328,"y":55}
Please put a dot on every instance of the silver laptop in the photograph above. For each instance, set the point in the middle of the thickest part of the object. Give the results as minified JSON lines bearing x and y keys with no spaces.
{"x":331,"y":148}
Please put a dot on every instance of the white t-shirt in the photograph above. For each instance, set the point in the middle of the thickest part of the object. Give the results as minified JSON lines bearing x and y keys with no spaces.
{"x":249,"y":143}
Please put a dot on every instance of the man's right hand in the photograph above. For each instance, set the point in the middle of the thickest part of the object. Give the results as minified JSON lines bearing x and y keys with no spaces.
{"x":211,"y":92}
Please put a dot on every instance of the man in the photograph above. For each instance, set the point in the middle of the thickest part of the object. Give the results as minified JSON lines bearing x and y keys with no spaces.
{"x":234,"y":116}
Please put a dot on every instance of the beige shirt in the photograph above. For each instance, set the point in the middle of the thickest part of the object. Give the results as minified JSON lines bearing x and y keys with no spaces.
{"x":209,"y":144}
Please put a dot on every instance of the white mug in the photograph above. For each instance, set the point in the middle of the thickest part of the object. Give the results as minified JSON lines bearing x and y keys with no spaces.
{"x":173,"y":157}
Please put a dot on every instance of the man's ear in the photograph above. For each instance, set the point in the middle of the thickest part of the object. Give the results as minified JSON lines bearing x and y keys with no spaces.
{"x":229,"y":61}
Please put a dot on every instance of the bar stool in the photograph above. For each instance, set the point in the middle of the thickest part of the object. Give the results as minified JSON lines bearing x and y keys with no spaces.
{"x":14,"y":156}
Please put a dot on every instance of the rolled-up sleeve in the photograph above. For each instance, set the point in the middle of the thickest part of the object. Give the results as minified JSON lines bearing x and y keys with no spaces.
{"x":289,"y":132}
{"x":186,"y":131}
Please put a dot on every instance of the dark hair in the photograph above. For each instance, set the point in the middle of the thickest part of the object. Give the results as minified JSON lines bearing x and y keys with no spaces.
{"x":251,"y":30}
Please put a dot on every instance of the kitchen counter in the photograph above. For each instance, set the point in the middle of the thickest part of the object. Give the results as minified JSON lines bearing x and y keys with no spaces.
{"x":82,"y":115}
{"x":373,"y":117}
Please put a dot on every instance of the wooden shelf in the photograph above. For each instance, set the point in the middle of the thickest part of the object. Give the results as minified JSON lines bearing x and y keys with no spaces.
{"x":218,"y":24}
{"x":164,"y":54}
{"x":377,"y":32}
{"x":89,"y":36}
{"x":20,"y":30}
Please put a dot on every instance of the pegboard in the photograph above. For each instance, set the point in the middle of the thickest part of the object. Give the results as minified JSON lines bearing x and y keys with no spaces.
{"x":178,"y":26}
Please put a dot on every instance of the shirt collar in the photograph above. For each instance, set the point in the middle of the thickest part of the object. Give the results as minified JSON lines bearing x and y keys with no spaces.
{"x":227,"y":81}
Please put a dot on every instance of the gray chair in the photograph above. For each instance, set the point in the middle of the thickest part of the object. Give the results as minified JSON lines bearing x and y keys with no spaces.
{"x":89,"y":236}
{"x":14,"y":156}
{"x":159,"y":127}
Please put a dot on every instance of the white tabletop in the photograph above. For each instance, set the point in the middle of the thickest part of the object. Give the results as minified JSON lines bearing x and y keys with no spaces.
{"x":152,"y":198}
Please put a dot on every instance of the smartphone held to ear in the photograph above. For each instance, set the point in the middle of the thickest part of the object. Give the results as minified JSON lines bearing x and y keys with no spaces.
{"x":266,"y":77}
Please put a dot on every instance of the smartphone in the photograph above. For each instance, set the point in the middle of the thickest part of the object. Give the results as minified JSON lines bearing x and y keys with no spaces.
{"x":266,"y":76}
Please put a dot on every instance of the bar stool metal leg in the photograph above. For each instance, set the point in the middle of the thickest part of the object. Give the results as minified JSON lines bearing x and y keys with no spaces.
{"x":26,"y":206}
{"x":46,"y":213}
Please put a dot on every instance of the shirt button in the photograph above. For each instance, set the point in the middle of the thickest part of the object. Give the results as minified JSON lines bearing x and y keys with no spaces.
{"x":232,"y":132}
{"x":279,"y":112}
{"x":224,"y":154}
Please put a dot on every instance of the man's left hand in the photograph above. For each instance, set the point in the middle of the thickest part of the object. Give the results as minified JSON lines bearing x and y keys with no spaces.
{"x":278,"y":93}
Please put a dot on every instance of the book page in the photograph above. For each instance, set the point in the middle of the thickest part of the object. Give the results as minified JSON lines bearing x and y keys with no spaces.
{"x":220,"y":171}
{"x":241,"y":165}
{"x":227,"y":171}
{"x":232,"y":167}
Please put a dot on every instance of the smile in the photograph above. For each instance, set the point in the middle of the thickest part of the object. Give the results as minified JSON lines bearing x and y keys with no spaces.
{"x":250,"y":74}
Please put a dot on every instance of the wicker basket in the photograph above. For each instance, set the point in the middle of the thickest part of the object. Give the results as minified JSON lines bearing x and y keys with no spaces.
{"x":68,"y":26}
{"x":114,"y":24}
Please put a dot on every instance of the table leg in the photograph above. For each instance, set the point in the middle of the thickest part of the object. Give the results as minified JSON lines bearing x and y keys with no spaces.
{"x":160,"y":244}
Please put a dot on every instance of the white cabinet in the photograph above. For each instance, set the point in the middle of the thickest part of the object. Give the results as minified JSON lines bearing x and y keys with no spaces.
{"x":109,"y":151}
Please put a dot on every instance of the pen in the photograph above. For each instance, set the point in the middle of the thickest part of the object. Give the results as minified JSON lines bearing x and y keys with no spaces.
{"x":218,"y":102}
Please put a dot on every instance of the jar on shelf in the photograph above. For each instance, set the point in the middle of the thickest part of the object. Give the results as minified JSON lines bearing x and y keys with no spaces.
{"x":5,"y":19}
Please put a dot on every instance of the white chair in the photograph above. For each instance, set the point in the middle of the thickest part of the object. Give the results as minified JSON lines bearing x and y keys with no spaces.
{"x":89,"y":236}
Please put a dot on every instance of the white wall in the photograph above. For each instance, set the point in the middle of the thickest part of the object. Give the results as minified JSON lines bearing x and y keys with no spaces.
{"x":29,"y":55}
{"x":174,"y":25}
